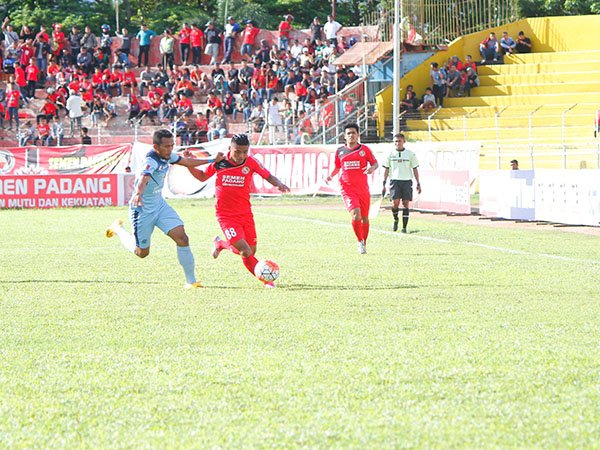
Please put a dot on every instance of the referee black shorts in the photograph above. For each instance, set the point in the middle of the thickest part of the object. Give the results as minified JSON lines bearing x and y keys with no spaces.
{"x":401,"y":189}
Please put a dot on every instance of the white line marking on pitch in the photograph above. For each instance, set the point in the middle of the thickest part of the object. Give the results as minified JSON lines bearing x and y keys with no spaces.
{"x":432,"y":239}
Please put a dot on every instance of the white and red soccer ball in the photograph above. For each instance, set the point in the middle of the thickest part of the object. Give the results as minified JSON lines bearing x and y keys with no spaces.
{"x":266,"y":270}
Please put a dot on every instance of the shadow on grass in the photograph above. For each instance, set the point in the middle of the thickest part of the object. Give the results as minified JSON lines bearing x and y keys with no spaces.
{"x":346,"y":287}
{"x":77,"y":282}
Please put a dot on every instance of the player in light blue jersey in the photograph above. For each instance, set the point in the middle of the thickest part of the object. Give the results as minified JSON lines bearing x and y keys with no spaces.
{"x":148,"y":208}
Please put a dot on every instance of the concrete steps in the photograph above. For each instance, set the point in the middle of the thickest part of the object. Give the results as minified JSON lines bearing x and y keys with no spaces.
{"x":541,"y":68}
{"x":526,"y":99}
{"x":589,"y":77}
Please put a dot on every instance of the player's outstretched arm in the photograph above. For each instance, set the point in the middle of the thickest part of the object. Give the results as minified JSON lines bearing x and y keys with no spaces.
{"x":278,"y":184}
{"x":193,"y":162}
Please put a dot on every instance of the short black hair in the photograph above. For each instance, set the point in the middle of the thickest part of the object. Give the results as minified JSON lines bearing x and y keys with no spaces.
{"x":240,"y":139}
{"x":351,"y":125}
{"x":159,"y":135}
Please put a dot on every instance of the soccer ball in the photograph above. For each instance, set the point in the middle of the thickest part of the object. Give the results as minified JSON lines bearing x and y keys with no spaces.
{"x":266,"y":270}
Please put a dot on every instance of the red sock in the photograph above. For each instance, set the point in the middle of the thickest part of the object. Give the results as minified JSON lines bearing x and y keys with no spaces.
{"x":226,"y":245}
{"x":250,"y":262}
{"x":365,"y":230}
{"x":358,"y":229}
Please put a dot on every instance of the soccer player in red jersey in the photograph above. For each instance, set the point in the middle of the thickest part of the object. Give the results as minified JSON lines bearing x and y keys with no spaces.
{"x":354,"y":161}
{"x":233,"y":209}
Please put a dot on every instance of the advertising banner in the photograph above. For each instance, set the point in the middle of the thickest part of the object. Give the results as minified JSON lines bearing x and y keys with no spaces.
{"x":450,"y":155}
{"x":443,"y":190}
{"x":59,"y":191}
{"x":508,"y":194}
{"x":562,"y":196}
{"x":75,"y":159}
{"x":568,"y":196}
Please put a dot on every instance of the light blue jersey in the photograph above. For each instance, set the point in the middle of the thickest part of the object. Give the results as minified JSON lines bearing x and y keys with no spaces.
{"x":157,"y":168}
{"x":154,"y":212}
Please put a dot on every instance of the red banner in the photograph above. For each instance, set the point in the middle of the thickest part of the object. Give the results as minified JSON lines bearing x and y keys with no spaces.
{"x":58,"y":191}
{"x":75,"y":159}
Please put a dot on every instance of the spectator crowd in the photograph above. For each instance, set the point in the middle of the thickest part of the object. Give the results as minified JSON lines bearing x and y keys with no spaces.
{"x":82,"y":74}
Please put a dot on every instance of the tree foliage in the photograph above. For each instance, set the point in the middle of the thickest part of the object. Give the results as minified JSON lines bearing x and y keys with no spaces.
{"x":161,"y":14}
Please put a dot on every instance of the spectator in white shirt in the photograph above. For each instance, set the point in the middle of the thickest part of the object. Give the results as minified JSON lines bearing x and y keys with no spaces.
{"x":275,"y":120}
{"x":74,"y":106}
{"x":331,"y":30}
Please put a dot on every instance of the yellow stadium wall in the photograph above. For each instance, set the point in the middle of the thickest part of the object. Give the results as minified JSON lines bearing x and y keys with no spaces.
{"x":547,"y":34}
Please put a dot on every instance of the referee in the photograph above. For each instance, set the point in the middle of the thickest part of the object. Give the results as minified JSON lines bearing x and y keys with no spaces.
{"x":401,"y":164}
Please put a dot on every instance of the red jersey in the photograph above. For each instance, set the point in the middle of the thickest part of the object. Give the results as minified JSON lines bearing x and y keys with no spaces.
{"x":31,"y":73}
{"x":185,"y":103}
{"x":184,"y":35}
{"x":202,"y":124}
{"x":249,"y":34}
{"x":155,"y":98}
{"x":49,"y":109}
{"x":129,"y":77}
{"x":352,"y":164}
{"x":97,"y":79}
{"x":284,"y":29}
{"x":12,"y":98}
{"x":43,"y":129}
{"x":20,"y":76}
{"x":214,"y":103}
{"x":233,"y":185}
{"x":27,"y":53}
{"x":196,"y":37}
{"x":53,"y":69}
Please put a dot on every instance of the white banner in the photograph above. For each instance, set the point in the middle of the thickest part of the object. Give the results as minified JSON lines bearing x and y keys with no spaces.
{"x":562,"y":196}
{"x":450,"y":155}
{"x":568,"y":196}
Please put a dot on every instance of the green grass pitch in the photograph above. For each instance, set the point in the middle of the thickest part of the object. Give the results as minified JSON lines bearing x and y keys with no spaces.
{"x":452,"y":336}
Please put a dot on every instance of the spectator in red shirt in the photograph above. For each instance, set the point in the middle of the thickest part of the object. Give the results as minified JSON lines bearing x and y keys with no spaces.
{"x":285,"y":27}
{"x":184,"y":42}
{"x":201,"y":125}
{"x":13,"y":94}
{"x":196,"y":41}
{"x":27,"y":53}
{"x":116,"y":82}
{"x":58,"y":40}
{"x":49,"y":109}
{"x":31,"y":75}
{"x":184,"y":105}
{"x":43,"y":130}
{"x":20,"y":79}
{"x":248,"y":38}
{"x":129,"y":80}
{"x":212,"y":104}
{"x":52,"y":70}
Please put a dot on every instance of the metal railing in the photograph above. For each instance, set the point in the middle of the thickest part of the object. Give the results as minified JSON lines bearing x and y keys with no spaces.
{"x":439,"y":22}
{"x":567,"y":146}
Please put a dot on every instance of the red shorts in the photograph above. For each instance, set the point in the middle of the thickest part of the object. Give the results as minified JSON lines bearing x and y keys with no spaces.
{"x":354,"y":198}
{"x":237,"y":228}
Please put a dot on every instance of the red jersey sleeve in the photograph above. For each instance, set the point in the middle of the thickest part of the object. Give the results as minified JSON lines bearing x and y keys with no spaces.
{"x":210,"y":170}
{"x":369,"y":155}
{"x":258,"y":167}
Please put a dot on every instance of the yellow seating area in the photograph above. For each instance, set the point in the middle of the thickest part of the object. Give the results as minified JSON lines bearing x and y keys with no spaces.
{"x":539,"y":108}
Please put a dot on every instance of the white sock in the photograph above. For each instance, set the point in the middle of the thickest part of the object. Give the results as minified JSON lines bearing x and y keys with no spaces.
{"x":126,"y":238}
